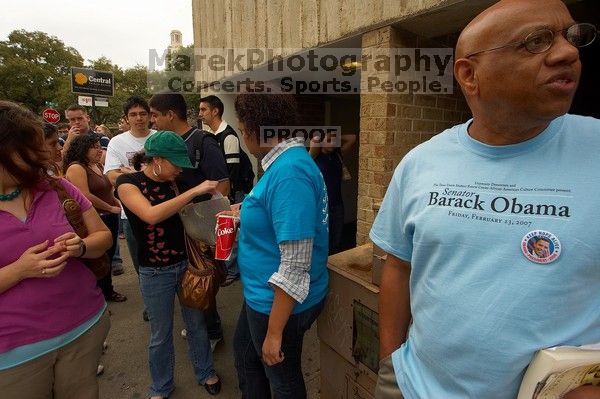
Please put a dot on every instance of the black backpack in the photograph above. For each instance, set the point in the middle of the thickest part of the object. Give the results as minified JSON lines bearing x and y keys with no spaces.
{"x":197,"y":144}
{"x":246,"y":171}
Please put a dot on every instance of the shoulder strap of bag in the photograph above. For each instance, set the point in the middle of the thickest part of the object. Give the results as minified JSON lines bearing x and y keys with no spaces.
{"x":71,"y":208}
{"x":197,"y":140}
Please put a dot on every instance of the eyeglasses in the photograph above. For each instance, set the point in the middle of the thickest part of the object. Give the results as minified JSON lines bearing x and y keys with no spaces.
{"x":579,"y":35}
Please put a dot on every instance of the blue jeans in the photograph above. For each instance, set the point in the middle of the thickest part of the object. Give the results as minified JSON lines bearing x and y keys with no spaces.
{"x":232,"y":264}
{"x":256,"y":379}
{"x":131,"y":244}
{"x":116,"y":259}
{"x":159,"y":287}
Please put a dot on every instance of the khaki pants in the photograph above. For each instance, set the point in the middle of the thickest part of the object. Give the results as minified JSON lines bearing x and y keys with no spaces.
{"x":65,"y":373}
{"x":387,"y":387}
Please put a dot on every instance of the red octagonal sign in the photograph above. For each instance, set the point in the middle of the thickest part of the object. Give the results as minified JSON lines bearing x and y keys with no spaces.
{"x":51,"y":115}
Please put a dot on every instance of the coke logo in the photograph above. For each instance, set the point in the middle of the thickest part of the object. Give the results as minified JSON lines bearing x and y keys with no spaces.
{"x":226,"y":230}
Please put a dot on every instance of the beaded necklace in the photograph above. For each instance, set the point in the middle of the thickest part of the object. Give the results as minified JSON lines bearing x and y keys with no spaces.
{"x":11,"y":196}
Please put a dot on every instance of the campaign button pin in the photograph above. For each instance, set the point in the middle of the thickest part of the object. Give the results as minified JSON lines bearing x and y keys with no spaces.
{"x":540,"y":246}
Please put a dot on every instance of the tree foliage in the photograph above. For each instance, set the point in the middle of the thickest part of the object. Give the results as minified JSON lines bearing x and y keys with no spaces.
{"x":128,"y":82}
{"x":35,"y":69}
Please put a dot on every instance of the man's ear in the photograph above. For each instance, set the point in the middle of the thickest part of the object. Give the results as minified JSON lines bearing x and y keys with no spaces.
{"x":170,"y":115}
{"x":464,"y":73}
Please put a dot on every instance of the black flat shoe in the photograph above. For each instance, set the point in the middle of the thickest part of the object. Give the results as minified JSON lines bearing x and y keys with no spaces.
{"x":213,"y":389}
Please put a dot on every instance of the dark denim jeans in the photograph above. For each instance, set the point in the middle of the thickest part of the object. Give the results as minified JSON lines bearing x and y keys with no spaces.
{"x":256,"y":379}
{"x":159,"y":288}
{"x":111,"y":220}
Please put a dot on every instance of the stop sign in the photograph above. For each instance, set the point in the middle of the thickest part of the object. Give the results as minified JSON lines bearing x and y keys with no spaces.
{"x":51,"y":115}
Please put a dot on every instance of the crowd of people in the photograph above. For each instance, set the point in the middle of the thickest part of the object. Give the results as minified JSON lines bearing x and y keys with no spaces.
{"x":457,"y":319}
{"x":135,"y":183}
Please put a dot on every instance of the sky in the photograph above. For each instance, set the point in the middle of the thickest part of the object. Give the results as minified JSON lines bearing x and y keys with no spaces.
{"x":123,"y":30}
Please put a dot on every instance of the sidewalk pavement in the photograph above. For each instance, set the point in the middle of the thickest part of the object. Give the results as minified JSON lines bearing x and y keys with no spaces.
{"x":126,"y":374}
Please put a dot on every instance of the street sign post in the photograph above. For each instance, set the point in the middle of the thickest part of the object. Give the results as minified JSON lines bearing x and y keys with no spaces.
{"x":101,"y":101}
{"x":92,"y":83}
{"x":51,"y":115}
{"x":87,"y":101}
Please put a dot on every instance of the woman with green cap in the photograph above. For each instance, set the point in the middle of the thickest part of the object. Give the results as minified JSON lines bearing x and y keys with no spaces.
{"x":151,"y":203}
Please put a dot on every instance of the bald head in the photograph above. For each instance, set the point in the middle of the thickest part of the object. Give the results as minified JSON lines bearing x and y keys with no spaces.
{"x":496,"y":25}
{"x":510,"y":90}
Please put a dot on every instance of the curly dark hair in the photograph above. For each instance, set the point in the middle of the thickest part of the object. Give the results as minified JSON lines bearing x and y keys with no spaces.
{"x":256,"y":110}
{"x":140,"y":158}
{"x":78,"y":150}
{"x":22,"y":133}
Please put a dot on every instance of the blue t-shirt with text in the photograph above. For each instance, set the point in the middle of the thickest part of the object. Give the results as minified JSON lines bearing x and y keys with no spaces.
{"x":467,"y":217}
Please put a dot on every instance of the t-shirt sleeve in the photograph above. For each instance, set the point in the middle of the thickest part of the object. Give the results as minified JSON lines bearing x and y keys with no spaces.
{"x":124,"y":179}
{"x":74,"y":193}
{"x":112,"y":161}
{"x":231,"y":147}
{"x":292,"y":202}
{"x":213,"y":162}
{"x":391,"y":229}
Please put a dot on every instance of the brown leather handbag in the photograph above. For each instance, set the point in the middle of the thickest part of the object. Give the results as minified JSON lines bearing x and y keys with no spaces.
{"x":99,"y":266}
{"x":201,"y":281}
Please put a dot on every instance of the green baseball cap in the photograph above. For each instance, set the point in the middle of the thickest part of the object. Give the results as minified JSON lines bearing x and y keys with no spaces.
{"x":168,"y":145}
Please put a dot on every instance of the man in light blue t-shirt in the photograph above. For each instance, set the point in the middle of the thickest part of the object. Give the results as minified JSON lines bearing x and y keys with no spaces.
{"x":488,"y":264}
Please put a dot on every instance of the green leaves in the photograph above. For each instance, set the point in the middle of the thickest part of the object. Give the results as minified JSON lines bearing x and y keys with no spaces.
{"x":33,"y":67}
{"x":35,"y":70}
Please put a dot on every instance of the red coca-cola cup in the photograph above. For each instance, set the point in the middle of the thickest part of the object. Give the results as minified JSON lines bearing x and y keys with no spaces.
{"x":226,"y":230}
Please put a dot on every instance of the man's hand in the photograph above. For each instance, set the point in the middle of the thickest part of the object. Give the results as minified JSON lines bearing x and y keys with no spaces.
{"x":73,"y":132}
{"x":271,"y":350}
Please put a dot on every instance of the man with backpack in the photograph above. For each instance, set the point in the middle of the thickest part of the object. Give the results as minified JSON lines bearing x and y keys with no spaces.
{"x":241,"y":175}
{"x":169,"y":112}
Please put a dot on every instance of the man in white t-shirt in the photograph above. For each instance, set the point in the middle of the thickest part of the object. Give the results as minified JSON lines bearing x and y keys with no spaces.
{"x":121,"y":150}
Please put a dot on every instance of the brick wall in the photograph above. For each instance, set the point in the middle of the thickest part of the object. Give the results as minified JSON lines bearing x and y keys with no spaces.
{"x":392,"y":124}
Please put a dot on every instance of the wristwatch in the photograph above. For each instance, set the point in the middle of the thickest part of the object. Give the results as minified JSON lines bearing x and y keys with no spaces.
{"x":83,"y":248}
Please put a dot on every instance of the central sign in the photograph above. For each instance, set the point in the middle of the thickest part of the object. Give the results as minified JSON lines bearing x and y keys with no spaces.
{"x":92,"y":82}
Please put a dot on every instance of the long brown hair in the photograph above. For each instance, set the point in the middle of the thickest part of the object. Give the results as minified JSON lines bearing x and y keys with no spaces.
{"x":22,"y":134}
